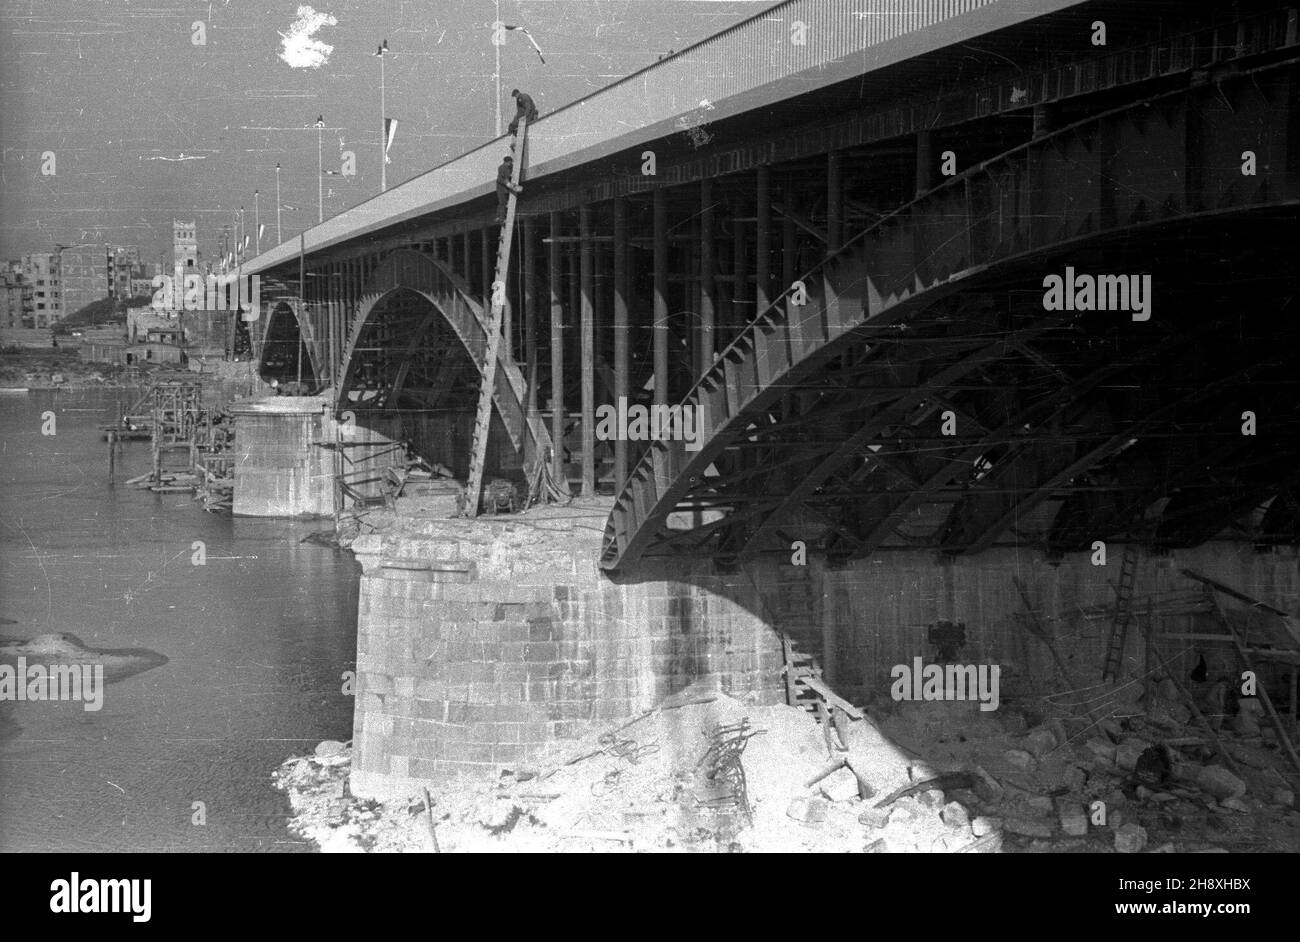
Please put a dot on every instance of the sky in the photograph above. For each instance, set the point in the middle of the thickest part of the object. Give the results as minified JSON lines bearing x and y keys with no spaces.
{"x":117,"y":116}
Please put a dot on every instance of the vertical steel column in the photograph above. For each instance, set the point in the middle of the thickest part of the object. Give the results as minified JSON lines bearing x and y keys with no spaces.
{"x":787,"y":242}
{"x":660,"y":297}
{"x":557,"y":352}
{"x":924,"y":162}
{"x":530,"y":313}
{"x":302,"y":294}
{"x":705,"y":345}
{"x":762,"y":239}
{"x":588,"y":354}
{"x":331,"y":345}
{"x":571,"y":253}
{"x":740,"y":270}
{"x":834,"y":201}
{"x":485,"y":263}
{"x":620,"y":335}
{"x":1043,"y":121}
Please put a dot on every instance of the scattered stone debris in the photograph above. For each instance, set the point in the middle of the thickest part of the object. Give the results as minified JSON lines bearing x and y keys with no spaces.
{"x":705,"y":772}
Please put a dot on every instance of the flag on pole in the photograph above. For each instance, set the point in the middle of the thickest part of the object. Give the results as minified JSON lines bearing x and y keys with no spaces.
{"x":390,"y":130}
{"x":243,"y":245}
{"x":261,"y":230}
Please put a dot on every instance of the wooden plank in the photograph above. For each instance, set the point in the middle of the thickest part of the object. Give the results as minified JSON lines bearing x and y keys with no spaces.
{"x":497,"y":303}
{"x":830,"y":696}
{"x":1233,"y":593}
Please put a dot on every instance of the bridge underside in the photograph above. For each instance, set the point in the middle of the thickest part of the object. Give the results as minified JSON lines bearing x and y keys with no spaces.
{"x":983,"y":419}
{"x":283,"y":353}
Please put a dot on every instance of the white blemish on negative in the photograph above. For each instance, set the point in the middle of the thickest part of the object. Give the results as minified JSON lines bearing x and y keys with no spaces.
{"x":298,"y":48}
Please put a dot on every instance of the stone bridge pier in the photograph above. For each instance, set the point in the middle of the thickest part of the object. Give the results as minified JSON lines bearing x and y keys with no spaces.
{"x":478,"y":645}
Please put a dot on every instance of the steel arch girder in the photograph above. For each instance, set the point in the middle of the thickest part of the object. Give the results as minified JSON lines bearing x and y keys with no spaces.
{"x":306,"y":329}
{"x":450,"y":297}
{"x":949,"y":235}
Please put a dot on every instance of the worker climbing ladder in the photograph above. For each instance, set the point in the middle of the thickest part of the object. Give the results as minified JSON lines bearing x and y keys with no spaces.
{"x":487,"y":384}
{"x":1123,"y":612}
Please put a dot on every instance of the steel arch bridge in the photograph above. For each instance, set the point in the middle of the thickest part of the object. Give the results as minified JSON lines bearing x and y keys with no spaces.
{"x":415,"y":338}
{"x":922,"y":397}
{"x":824,"y":418}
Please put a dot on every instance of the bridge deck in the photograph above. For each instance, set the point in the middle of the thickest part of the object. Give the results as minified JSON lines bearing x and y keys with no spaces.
{"x":745,"y":68}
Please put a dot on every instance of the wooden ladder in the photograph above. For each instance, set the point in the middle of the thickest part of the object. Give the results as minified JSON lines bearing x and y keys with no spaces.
{"x":1123,"y":613}
{"x":487,"y":384}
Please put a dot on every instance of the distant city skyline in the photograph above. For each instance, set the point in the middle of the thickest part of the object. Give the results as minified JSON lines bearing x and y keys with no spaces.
{"x":116,"y":119}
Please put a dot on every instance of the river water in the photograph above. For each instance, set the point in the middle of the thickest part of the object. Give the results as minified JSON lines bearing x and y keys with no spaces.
{"x":257,"y":641}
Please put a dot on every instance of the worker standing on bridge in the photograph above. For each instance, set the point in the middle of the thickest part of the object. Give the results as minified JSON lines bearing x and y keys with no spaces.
{"x":524,"y":108}
{"x":505,"y":186}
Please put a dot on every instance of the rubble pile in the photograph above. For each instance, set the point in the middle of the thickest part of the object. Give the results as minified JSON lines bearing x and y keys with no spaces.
{"x":700,"y":772}
{"x":705,"y":772}
{"x":1111,"y":772}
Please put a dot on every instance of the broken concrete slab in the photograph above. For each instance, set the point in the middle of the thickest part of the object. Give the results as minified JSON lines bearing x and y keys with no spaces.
{"x":875,"y":817}
{"x":1027,"y":827}
{"x":810,"y":810}
{"x":933,"y":799}
{"x":1170,"y":716}
{"x":1219,"y":782}
{"x":1020,"y":759}
{"x":1076,"y":778}
{"x":1039,"y":742}
{"x":1101,"y":750}
{"x":955,"y":815}
{"x":1040,"y":804}
{"x":982,"y":825}
{"x":1013,"y":722}
{"x":1130,"y":839}
{"x":1129,"y":751}
{"x":1246,"y":722}
{"x":1074,"y":820}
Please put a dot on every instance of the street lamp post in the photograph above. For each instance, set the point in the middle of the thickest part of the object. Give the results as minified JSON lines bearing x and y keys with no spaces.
{"x":320,"y":170}
{"x":499,"y":30}
{"x":383,"y":123}
{"x":498,"y":37}
{"x":279,"y":236}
